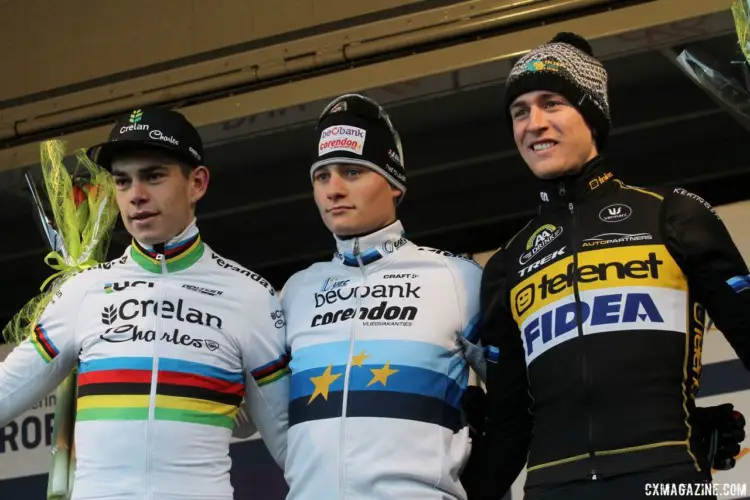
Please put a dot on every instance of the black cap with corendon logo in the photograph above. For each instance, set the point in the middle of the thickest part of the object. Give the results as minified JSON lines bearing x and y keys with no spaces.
{"x":151,"y":128}
{"x":354,"y":129}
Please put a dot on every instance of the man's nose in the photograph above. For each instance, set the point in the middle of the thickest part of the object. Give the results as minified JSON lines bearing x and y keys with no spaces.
{"x":537,"y":118}
{"x":138,"y":193}
{"x":336,"y":187}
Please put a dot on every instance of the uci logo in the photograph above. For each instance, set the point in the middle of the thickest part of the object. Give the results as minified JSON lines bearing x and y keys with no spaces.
{"x":615,"y":213}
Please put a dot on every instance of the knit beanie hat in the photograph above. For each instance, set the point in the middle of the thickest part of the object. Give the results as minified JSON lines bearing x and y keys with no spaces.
{"x":356,"y":130}
{"x":565,"y":65}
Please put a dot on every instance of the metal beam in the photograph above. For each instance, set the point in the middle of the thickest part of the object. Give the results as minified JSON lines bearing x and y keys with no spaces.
{"x":497,"y":48}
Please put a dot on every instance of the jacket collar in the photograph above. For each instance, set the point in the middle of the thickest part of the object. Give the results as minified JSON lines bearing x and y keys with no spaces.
{"x":573,"y":188}
{"x":371,"y":247}
{"x":180,"y":252}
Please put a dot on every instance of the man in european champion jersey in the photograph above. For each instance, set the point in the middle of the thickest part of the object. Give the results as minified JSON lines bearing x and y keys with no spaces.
{"x":599,"y":306}
{"x":378,"y":376}
{"x":167,"y":339}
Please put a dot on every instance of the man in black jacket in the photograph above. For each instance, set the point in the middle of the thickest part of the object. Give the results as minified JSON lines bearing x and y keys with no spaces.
{"x":594,"y":313}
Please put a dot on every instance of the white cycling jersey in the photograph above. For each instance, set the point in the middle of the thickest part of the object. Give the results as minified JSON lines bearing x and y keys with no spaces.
{"x":166,"y":346}
{"x":377,"y":371}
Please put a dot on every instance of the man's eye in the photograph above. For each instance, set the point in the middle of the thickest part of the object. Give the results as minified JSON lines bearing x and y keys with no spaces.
{"x":154,"y":177}
{"x":353,"y":172}
{"x":121,"y":182}
{"x":322,"y":176}
{"x":519,"y":113}
{"x":552,"y":104}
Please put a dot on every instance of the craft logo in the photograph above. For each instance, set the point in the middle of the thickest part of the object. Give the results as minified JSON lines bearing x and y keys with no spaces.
{"x":538,"y":240}
{"x":342,"y":138}
{"x":615,"y":213}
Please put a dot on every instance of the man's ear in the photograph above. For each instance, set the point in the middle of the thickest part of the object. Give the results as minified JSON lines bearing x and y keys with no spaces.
{"x":397,"y":193}
{"x":199,"y":179}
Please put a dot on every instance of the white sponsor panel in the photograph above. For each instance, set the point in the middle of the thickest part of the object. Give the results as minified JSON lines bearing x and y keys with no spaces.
{"x":342,"y":138}
{"x":610,"y":310}
{"x":25,"y":443}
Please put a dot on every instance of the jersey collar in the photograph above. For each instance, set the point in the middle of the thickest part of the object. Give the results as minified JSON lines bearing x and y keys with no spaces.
{"x":181,"y":252}
{"x":571,"y":188}
{"x":371,"y":247}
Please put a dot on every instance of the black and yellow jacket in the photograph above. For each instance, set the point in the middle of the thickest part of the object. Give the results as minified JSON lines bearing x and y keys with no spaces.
{"x":599,"y":304}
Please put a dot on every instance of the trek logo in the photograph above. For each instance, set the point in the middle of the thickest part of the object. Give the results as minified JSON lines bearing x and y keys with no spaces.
{"x":548,"y":258}
{"x":609,"y":309}
{"x":405,"y":291}
{"x":383,"y":314}
{"x":548,"y":286}
{"x":158,"y":135}
{"x":615,"y":213}
{"x":544,"y":196}
{"x":605,"y":239}
{"x":341,"y":138}
{"x":334,"y":283}
{"x":131,"y":333}
{"x":118,"y":287}
{"x":539,"y":240}
{"x":253,"y":276}
{"x":391,"y":246}
{"x":134,"y":308}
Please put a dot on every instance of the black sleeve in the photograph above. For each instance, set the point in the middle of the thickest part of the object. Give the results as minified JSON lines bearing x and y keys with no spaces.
{"x":509,"y":423}
{"x":702,"y":247}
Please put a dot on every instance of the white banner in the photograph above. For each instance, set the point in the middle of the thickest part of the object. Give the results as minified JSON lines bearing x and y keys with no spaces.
{"x":25,"y":443}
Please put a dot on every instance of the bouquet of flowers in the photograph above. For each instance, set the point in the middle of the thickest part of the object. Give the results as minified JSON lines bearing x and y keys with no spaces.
{"x":84,"y":211}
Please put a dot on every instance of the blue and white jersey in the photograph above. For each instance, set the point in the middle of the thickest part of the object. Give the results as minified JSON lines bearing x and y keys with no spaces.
{"x":377,"y":371}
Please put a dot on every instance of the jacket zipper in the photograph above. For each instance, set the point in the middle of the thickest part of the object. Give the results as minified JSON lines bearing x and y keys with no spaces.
{"x":154,"y":373}
{"x":347,"y":371}
{"x":584,"y":354}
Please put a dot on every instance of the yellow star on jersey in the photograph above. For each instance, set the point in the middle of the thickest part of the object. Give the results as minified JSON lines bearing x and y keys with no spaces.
{"x":359,"y":358}
{"x":381,"y":374}
{"x":323,"y":383}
